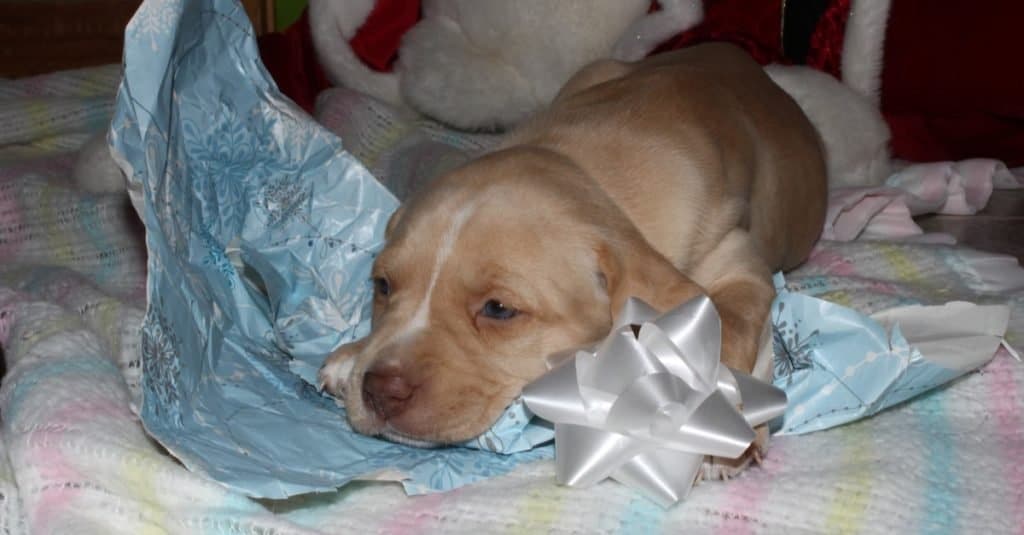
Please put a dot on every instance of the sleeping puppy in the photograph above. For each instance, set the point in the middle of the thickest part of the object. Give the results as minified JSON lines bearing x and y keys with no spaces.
{"x":688,"y":172}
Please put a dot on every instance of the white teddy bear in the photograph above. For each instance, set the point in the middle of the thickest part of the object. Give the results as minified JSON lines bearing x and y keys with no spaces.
{"x":487,"y":64}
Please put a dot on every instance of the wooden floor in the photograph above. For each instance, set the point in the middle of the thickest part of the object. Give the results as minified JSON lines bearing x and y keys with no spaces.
{"x":998,"y":228}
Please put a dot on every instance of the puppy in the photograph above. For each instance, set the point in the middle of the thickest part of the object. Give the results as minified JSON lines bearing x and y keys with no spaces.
{"x":684,"y":173}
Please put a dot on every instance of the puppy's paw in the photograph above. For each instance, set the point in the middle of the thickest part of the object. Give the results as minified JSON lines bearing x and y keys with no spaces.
{"x":718,"y":468}
{"x":334,"y":373}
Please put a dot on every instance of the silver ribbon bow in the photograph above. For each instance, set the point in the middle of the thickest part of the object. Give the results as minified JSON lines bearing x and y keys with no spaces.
{"x":645,"y":409}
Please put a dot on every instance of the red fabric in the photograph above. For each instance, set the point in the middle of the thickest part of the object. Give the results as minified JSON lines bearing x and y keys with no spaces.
{"x":948,"y":91}
{"x":376,"y":42}
{"x":826,"y":52}
{"x":757,"y":28}
{"x":952,"y":85}
{"x":290,"y":58}
{"x":754,"y":26}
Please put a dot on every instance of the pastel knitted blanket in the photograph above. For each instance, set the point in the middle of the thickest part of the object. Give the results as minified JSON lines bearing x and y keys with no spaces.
{"x":74,"y":458}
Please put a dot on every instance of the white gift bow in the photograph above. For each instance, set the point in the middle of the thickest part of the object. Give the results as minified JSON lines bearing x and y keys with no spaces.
{"x":645,"y":409}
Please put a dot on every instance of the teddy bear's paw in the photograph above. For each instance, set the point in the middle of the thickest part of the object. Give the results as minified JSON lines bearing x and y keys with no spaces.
{"x":447,"y":77}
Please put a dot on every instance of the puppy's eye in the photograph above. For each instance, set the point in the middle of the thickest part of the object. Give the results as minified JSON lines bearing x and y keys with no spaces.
{"x":381,"y":286}
{"x":495,"y":309}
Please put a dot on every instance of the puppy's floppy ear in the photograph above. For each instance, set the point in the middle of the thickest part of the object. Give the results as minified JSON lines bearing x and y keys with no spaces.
{"x":631,"y":267}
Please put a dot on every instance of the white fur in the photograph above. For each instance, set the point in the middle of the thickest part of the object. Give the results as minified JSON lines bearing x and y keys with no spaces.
{"x":675,"y":16}
{"x":421,"y":318}
{"x":336,"y":371}
{"x":484,"y":64}
{"x":854,"y":133}
{"x":448,"y":78}
{"x":95,"y":169}
{"x":333,"y":23}
{"x":863,"y":47}
{"x":489,"y":63}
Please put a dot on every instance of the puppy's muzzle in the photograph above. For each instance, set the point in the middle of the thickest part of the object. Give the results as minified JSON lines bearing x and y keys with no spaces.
{"x":386,"y":391}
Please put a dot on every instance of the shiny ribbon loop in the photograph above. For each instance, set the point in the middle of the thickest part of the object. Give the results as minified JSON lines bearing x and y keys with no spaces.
{"x":645,"y":409}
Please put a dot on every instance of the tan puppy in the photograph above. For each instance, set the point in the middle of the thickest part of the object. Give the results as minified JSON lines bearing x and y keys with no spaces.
{"x":687,"y":172}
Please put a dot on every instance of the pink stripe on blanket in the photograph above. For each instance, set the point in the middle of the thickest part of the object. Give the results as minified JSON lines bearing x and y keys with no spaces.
{"x":417,"y":514}
{"x":1005,"y":405}
{"x":57,"y":489}
{"x":746,"y":494}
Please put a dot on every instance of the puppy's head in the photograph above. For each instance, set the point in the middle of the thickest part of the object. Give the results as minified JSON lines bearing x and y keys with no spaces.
{"x":501,"y":263}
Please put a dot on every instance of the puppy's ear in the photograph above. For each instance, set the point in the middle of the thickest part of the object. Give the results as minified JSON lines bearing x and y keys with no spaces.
{"x":389,"y":229}
{"x":632,"y":267}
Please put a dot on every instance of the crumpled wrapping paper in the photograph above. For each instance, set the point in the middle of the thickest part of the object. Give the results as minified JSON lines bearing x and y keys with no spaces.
{"x":261,"y":231}
{"x":838,"y":365}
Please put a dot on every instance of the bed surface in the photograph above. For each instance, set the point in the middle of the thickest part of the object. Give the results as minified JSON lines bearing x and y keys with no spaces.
{"x":73,"y":457}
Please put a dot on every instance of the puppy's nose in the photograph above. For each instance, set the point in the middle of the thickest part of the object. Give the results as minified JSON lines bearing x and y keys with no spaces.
{"x":386,"y":391}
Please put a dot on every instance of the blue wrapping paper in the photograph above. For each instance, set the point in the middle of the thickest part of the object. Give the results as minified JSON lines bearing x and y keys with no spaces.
{"x":261,"y":231}
{"x":838,"y":365}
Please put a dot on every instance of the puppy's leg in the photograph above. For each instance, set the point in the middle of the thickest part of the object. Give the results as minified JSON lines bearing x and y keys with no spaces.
{"x":739,"y":283}
{"x":736,"y":279}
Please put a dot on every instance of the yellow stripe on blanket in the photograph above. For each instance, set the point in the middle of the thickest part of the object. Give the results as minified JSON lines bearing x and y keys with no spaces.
{"x":901,"y":265}
{"x":853,"y":489}
{"x":541,"y":508}
{"x":138,"y":477}
{"x":58,"y":235}
{"x":40,"y":115}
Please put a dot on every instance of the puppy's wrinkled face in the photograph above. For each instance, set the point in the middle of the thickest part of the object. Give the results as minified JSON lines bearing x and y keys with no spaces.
{"x":480,"y":280}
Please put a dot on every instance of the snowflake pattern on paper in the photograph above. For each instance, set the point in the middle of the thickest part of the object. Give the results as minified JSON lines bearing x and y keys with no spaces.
{"x":154,"y":20}
{"x":792,"y":350}
{"x":161,"y":368}
{"x":217,"y":259}
{"x":283,"y":200}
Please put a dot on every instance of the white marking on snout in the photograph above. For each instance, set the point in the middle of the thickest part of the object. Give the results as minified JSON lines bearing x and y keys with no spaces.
{"x":421,"y":318}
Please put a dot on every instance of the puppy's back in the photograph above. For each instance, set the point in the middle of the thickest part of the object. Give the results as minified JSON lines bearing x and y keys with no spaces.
{"x":705,"y":124}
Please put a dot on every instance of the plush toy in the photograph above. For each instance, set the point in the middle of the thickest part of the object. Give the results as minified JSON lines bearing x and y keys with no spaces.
{"x":483,"y":64}
{"x":942,"y":99}
{"x":486,"y":64}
